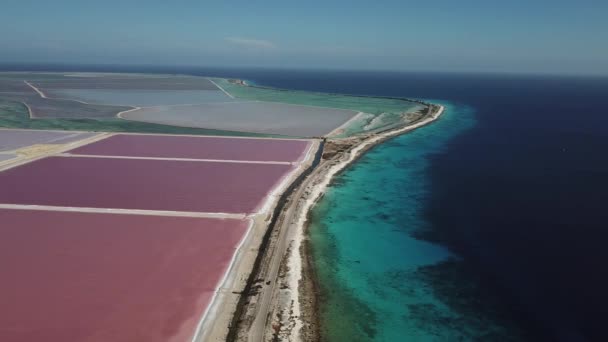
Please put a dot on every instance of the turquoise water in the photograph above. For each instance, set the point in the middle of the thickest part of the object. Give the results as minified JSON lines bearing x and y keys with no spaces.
{"x":378,"y":281}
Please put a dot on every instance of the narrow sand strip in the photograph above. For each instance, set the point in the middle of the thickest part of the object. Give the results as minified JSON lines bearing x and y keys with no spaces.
{"x":220,"y":88}
{"x":122,"y":211}
{"x":43,"y":153}
{"x":119,"y":114}
{"x":68,"y":155}
{"x":43,"y":95}
{"x":36,"y":89}
{"x":214,"y":306}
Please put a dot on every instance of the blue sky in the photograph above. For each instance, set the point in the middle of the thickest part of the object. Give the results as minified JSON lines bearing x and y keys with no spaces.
{"x":513,"y":36}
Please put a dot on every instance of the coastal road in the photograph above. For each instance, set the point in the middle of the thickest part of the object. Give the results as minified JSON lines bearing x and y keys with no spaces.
{"x":263,"y":306}
{"x":264,"y":303}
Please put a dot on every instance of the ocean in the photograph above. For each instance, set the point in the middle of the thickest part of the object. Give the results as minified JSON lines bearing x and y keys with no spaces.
{"x":487,"y":225}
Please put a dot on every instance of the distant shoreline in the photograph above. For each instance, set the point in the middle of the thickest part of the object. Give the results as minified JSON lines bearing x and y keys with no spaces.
{"x":244,"y":83}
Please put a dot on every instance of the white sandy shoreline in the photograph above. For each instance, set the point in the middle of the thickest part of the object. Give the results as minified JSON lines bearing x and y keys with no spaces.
{"x":217,"y":317}
{"x":314,"y":193}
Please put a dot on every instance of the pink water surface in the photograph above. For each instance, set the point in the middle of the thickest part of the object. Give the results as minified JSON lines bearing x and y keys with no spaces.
{"x":166,"y":146}
{"x":105,"y":277}
{"x":141,"y":184}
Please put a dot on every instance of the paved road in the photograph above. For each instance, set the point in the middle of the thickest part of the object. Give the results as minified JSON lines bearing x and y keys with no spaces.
{"x":263,"y":305}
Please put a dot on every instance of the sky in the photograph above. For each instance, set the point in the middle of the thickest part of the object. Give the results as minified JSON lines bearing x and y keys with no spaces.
{"x":537,"y":36}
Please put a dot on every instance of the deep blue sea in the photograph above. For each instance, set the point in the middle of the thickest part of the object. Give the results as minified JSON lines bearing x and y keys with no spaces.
{"x":490,"y":224}
{"x":512,"y":182}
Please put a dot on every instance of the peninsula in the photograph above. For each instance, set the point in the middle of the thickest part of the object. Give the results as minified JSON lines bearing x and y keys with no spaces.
{"x":224,"y":171}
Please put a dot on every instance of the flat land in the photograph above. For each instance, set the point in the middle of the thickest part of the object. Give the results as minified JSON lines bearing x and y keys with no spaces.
{"x":142,"y":237}
{"x":144,"y":184}
{"x":188,"y":147}
{"x":120,"y":81}
{"x":15,"y":139}
{"x":13,"y":86}
{"x":7,"y":156}
{"x":141,"y":98}
{"x":94,"y":96}
{"x":15,"y":114}
{"x":69,"y":276}
{"x":149,"y":103}
{"x":50,"y":108}
{"x":258,"y":117}
{"x":144,"y":246}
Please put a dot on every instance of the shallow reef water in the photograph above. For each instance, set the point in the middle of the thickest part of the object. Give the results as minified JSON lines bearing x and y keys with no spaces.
{"x":379,"y":282}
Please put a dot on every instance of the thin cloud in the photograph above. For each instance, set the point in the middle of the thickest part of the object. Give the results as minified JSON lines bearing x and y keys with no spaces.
{"x":252,"y":43}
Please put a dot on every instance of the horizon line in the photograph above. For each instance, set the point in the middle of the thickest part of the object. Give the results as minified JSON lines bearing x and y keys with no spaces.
{"x":166,"y":68}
